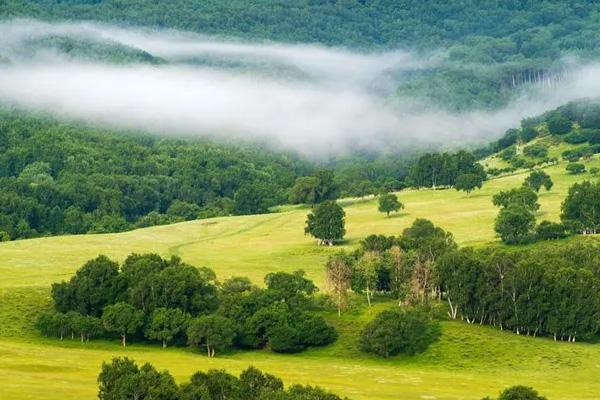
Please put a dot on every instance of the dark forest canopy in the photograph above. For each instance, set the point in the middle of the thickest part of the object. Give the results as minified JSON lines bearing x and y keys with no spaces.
{"x":60,"y":177}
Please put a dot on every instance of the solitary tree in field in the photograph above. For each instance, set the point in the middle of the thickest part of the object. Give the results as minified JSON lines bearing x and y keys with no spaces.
{"x":514,"y":223}
{"x":468,"y":182}
{"x":389,"y":203}
{"x":123,"y":319}
{"x":339,"y":278}
{"x":165,"y":324}
{"x":326,"y":223}
{"x":213,"y":332}
{"x":537,"y":179}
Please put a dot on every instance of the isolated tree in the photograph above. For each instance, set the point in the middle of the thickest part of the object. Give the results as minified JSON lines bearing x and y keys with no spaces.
{"x":575,"y":168}
{"x":326,"y":223}
{"x":389,"y":203}
{"x":123,"y":319}
{"x":338,"y":275}
{"x":523,"y":195}
{"x":214,"y":332}
{"x":468,"y":182}
{"x":537,"y":179}
{"x":515,"y":223}
{"x":397,"y":331}
{"x":581,"y":207}
{"x":165,"y":324}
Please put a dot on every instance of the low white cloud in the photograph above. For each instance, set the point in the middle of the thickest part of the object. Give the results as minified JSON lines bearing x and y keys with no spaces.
{"x":346,"y":100}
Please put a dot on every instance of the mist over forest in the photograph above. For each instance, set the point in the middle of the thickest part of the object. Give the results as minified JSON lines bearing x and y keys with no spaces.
{"x":320,"y":100}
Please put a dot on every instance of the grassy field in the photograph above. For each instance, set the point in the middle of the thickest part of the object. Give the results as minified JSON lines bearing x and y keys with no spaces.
{"x":469,"y":362}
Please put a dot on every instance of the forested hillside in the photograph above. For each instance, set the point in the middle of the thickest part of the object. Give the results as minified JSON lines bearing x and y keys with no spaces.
{"x":489,"y":47}
{"x":70,"y":178}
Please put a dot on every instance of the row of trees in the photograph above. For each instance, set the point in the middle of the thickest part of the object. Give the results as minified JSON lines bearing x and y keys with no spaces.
{"x":551,"y":292}
{"x":123,"y":379}
{"x":171,"y":302}
{"x":435,"y":170}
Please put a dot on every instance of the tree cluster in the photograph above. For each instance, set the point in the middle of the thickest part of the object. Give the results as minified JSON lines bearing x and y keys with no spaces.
{"x":547,"y":292}
{"x":123,"y":379}
{"x":402,"y":266}
{"x":169,"y":301}
{"x":435,"y":170}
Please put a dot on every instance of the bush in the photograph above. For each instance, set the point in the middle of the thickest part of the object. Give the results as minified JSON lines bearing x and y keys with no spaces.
{"x":575,"y":168}
{"x":575,"y":138}
{"x":558,"y":123}
{"x":405,"y":331}
{"x":547,"y":230}
{"x":536,"y":150}
{"x":508,"y":153}
{"x":571,"y":155}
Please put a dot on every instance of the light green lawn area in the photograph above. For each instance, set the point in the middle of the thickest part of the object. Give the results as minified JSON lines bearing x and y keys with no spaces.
{"x":468,"y":362}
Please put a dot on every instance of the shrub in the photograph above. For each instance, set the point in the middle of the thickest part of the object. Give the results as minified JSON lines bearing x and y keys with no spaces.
{"x":406,"y":331}
{"x":575,"y":168}
{"x":536,"y":150}
{"x":575,"y":138}
{"x":547,"y":230}
{"x":558,"y":123}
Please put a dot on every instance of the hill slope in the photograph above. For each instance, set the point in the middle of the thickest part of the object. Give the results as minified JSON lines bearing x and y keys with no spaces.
{"x":468,"y":363}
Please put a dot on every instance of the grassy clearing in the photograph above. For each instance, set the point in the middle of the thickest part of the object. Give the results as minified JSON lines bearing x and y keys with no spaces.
{"x":468,"y":362}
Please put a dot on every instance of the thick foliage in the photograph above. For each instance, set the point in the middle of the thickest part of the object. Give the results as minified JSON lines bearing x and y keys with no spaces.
{"x":550,"y":292}
{"x":122,"y":379}
{"x":399,"y":331}
{"x":69,"y":178}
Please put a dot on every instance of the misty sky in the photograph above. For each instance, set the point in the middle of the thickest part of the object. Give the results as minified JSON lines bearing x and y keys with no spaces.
{"x":313,"y":99}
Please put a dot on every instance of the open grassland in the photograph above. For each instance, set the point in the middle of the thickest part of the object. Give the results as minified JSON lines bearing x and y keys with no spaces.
{"x":469,"y":361}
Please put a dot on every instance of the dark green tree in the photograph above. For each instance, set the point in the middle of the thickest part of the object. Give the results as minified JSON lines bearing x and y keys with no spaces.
{"x":392,"y":332}
{"x":514,"y":224}
{"x":326,"y":223}
{"x":214,"y":332}
{"x":575,"y":168}
{"x":537,"y":179}
{"x":580,"y":210}
{"x":123,"y":319}
{"x":468,"y":182}
{"x":165,"y":324}
{"x":388,"y":203}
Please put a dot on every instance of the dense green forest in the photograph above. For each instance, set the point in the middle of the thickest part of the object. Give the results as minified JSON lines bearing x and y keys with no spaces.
{"x":70,"y":178}
{"x":489,"y":47}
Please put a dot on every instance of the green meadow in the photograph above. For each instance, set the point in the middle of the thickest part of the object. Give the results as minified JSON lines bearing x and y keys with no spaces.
{"x":469,"y":361}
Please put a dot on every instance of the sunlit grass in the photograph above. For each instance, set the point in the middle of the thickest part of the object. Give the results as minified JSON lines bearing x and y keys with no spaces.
{"x":469,"y":362}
